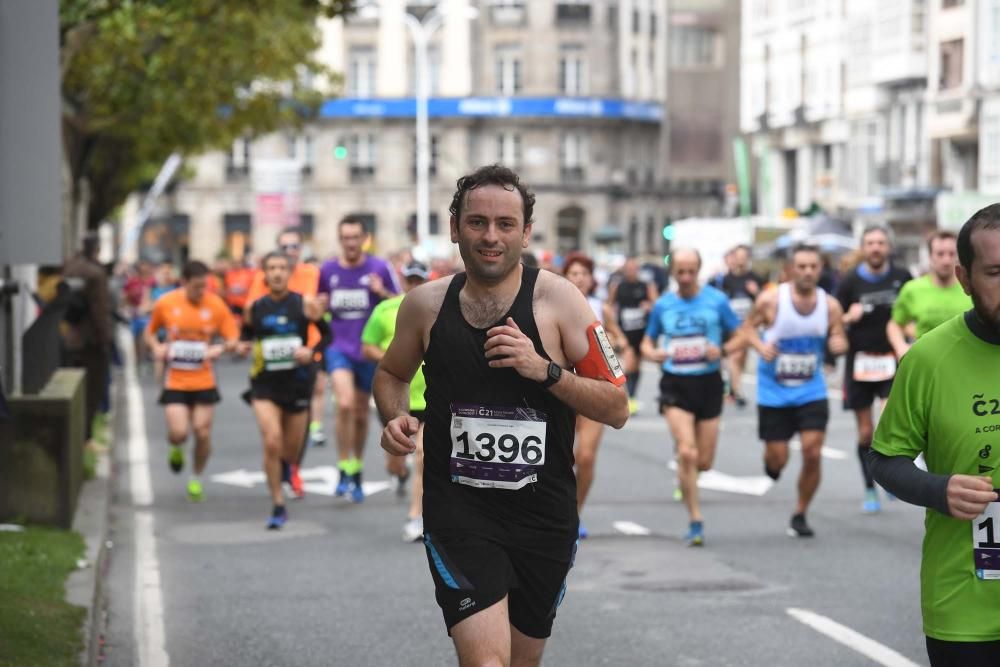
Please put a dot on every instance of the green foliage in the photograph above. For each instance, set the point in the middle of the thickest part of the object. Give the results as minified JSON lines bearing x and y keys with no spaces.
{"x":37,"y":626}
{"x":144,"y":78}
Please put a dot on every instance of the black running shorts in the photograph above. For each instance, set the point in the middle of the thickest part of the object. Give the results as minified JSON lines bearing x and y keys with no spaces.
{"x":861,"y":395}
{"x":472,"y":573}
{"x":190,"y":398}
{"x":701,"y":395}
{"x":289,"y":397}
{"x":781,"y":424}
{"x":963,"y":654}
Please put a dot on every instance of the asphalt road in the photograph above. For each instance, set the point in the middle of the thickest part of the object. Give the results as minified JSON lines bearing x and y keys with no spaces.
{"x":337,"y":586}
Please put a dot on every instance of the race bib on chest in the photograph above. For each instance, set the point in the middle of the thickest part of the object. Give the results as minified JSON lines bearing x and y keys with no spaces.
{"x":279,"y":352}
{"x":688,"y":352}
{"x":496,"y":447}
{"x":985,"y":547}
{"x":633,"y":319}
{"x":188,"y":355}
{"x":741,"y":306}
{"x":874,"y":367}
{"x":348,"y":300}
{"x":794,"y":369}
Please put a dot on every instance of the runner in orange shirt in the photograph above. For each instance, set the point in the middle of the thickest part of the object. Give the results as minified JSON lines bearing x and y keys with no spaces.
{"x":193,"y":319}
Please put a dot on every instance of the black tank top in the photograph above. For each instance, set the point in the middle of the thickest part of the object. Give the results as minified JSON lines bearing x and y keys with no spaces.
{"x":275,"y":327}
{"x":631,"y":316}
{"x":459,"y":378}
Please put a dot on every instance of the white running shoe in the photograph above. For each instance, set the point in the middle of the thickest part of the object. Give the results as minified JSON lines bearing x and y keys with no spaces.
{"x":413,"y":530}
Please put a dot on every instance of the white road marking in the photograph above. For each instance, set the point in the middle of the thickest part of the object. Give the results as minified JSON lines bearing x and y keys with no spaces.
{"x":150,"y":636}
{"x":827,"y":452}
{"x":319,"y":480}
{"x":713,"y":480}
{"x":630,"y":528}
{"x":867,"y":647}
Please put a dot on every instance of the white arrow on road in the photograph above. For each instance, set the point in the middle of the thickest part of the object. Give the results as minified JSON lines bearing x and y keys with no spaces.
{"x":319,"y":480}
{"x":713,"y":480}
{"x":630,"y":528}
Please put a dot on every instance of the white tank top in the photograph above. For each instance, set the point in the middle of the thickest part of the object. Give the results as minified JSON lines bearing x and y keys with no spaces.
{"x":789,"y":323}
{"x":598,"y":307}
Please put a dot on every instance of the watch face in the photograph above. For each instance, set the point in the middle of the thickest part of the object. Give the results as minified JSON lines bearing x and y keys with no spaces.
{"x":555,"y":372}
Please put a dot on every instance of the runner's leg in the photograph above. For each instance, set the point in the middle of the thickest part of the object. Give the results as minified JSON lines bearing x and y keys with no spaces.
{"x":293,"y":427}
{"x":682,"y":428}
{"x":178,"y":417}
{"x":706,"y":439}
{"x":361,"y":413}
{"x":863,"y":417}
{"x":812,"y":446}
{"x":484,"y":638}
{"x":525,"y":651}
{"x":318,"y":406}
{"x":201,"y":420}
{"x":775,"y":457}
{"x":588,"y":437}
{"x":269,"y":420}
{"x":737,"y":362}
{"x":344,"y":421}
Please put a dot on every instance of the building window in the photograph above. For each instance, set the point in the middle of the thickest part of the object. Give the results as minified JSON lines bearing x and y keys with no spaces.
{"x":508,"y":70}
{"x":300,"y":147}
{"x":572,"y":156}
{"x":361,"y":72}
{"x":362,"y":150}
{"x":948,"y":4}
{"x":572,"y":70}
{"x":693,"y":46}
{"x":990,"y":160}
{"x":238,"y":160}
{"x":509,"y":149}
{"x":432,"y":167}
{"x":507,"y":12}
{"x":433,"y":70}
{"x":652,"y":25}
{"x":573,"y":11}
{"x":950,"y":75}
{"x":433,"y":225}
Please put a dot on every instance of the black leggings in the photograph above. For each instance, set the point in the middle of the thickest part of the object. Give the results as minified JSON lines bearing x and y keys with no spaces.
{"x":963,"y":654}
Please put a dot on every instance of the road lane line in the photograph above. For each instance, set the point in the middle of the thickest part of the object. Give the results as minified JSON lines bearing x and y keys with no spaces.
{"x":869,"y":648}
{"x":631,"y":528}
{"x":150,"y":639}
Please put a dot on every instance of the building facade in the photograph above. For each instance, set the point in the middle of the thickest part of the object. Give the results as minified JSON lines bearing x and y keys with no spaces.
{"x":571,"y":94}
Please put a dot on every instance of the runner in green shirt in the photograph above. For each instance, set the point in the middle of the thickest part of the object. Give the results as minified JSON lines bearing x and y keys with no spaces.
{"x":930,"y":300}
{"x":375,"y":339}
{"x":945,"y":403}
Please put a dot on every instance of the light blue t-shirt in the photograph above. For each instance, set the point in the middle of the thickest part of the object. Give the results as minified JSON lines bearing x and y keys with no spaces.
{"x":687,"y":325}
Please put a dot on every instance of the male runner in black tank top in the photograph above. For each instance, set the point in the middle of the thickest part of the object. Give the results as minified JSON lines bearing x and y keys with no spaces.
{"x":497,"y":344}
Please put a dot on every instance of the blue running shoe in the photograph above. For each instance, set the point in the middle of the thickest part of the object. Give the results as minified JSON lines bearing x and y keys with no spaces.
{"x":583,"y":532}
{"x":357,"y":492}
{"x":695,"y":536}
{"x":872,"y":505}
{"x":279,"y":517}
{"x":343,"y":486}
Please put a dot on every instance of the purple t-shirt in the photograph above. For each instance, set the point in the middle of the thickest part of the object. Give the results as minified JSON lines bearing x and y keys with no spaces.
{"x":351,"y":299}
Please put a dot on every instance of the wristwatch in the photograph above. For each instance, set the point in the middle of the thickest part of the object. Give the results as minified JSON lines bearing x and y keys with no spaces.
{"x":554,"y":373}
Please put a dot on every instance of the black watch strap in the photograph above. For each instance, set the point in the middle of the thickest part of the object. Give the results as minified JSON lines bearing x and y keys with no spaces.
{"x":554,"y":373}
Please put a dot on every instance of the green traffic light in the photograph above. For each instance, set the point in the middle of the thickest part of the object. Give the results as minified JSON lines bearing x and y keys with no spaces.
{"x":340,"y":152}
{"x":666,"y":260}
{"x":668,"y":232}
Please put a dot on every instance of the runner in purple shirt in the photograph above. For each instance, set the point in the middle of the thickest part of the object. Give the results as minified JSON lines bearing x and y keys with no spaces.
{"x":352,"y":285}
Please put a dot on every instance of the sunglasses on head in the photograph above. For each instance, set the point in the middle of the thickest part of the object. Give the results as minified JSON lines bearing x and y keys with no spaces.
{"x":290,"y":246}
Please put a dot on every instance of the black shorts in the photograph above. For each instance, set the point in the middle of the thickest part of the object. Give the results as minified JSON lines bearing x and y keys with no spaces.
{"x":861,"y":395}
{"x":635,"y":339}
{"x":472,"y":573}
{"x":783,"y":423}
{"x":701,"y":395}
{"x":419,"y":414}
{"x":190,"y":398}
{"x":289,"y":397}
{"x":963,"y":654}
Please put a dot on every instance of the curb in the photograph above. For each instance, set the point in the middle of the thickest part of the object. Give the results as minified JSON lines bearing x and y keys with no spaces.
{"x":85,"y":586}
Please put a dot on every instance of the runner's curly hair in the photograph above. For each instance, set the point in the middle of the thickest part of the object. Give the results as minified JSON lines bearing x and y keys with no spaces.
{"x":493,"y":174}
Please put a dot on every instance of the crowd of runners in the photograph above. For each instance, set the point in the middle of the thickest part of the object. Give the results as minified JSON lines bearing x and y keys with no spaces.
{"x":495,"y":381}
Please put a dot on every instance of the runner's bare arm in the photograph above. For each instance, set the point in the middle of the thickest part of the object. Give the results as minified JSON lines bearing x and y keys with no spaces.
{"x":650,"y":352}
{"x":837,"y":340}
{"x":508,"y":347}
{"x":615,"y":333}
{"x":897,"y":338}
{"x":761,"y":314}
{"x":650,"y":297}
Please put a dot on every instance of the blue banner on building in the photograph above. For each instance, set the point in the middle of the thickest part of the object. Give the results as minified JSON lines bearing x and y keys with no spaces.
{"x":496,"y":107}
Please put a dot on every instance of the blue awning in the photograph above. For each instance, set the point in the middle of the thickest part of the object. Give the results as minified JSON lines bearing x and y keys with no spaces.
{"x":495,"y":107}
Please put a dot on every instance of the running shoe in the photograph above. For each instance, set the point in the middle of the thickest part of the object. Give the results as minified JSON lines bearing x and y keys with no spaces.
{"x":176,"y":458}
{"x":357,"y":493}
{"x":279,"y":517}
{"x":678,"y":494}
{"x":298,"y":490}
{"x":413,"y":530}
{"x":583,"y":534}
{"x":798,"y":527}
{"x":871,"y":505}
{"x":401,"y":483}
{"x":195,"y":493}
{"x":633,"y":406}
{"x":740,"y":401}
{"x":343,"y":486}
{"x":317,"y":439}
{"x":695,"y":536}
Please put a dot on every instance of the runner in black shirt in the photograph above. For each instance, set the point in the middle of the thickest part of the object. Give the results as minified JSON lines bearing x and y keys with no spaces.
{"x":742,"y":286}
{"x":498,"y":344}
{"x":632,"y":298}
{"x":866,"y":295}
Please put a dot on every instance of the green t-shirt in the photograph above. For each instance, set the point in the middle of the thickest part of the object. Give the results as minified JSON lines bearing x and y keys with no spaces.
{"x":928,"y":305}
{"x":379,"y":330}
{"x":945,"y":402}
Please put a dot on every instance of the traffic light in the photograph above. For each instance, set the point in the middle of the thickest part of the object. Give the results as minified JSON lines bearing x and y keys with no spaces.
{"x":340,"y":152}
{"x":668,"y":237}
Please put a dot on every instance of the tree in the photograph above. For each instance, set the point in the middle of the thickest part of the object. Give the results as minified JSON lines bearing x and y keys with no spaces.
{"x":142,"y":79}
